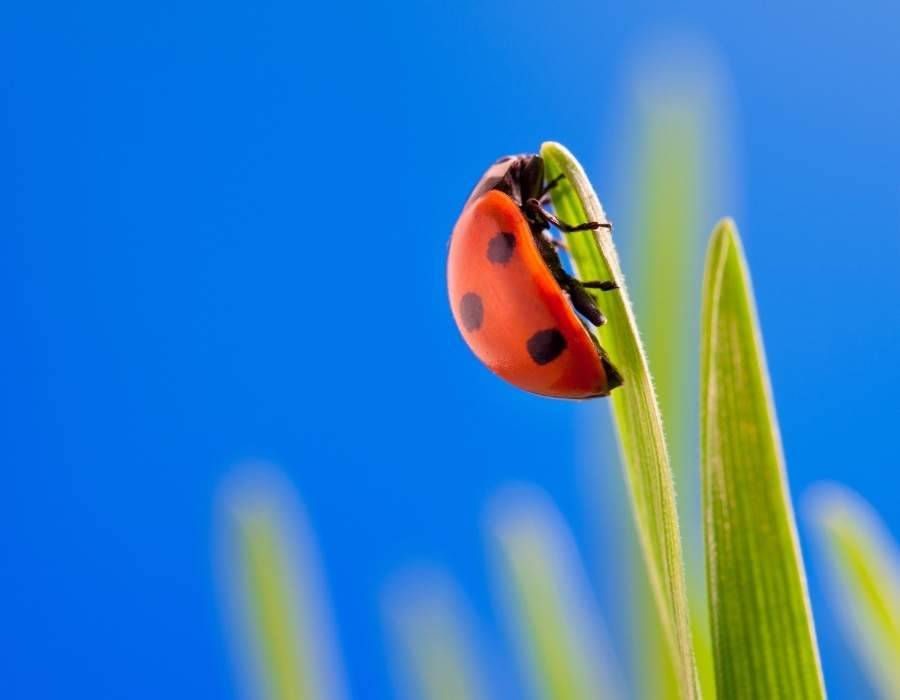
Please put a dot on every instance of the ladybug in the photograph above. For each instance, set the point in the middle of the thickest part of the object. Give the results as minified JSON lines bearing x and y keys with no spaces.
{"x":517,"y":308}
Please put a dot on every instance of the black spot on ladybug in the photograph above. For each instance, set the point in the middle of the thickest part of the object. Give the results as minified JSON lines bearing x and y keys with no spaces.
{"x":546,"y":346}
{"x":500,"y":248}
{"x":471,"y":310}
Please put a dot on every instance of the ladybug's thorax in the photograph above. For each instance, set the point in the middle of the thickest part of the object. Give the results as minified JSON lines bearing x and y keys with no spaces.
{"x":520,"y":177}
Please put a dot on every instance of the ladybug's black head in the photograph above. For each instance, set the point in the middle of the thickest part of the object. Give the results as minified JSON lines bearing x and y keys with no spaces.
{"x":521,"y":177}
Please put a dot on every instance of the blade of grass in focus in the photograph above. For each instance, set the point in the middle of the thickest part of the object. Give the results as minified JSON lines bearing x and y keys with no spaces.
{"x":864,"y":566}
{"x":635,"y":412}
{"x":546,"y":597}
{"x":283,"y":633}
{"x":763,"y":638}
{"x":434,"y":649}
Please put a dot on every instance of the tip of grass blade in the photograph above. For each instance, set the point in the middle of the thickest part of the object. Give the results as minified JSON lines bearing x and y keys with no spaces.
{"x":724,"y":231}
{"x":573,"y":194}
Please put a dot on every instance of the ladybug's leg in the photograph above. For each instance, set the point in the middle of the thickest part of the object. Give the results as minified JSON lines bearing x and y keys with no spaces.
{"x":552,"y":183}
{"x":582,"y":301}
{"x":606,"y":286}
{"x":555,"y":242}
{"x":535,"y":207}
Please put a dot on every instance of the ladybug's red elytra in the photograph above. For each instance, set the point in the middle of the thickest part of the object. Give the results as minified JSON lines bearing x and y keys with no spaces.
{"x":517,"y":308}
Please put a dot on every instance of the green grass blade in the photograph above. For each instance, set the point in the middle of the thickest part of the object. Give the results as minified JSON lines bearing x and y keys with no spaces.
{"x":546,"y":597}
{"x":763,"y":638}
{"x":864,"y":566}
{"x":283,"y":634}
{"x":433,"y":644}
{"x":635,"y":412}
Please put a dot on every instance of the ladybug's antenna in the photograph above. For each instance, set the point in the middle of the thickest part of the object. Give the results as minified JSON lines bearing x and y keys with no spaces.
{"x":549,"y":186}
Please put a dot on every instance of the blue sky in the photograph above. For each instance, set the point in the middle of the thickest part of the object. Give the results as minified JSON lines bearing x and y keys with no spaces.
{"x":225,"y":234}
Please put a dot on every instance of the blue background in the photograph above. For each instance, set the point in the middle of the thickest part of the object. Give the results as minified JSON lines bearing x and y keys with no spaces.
{"x":223,"y":237}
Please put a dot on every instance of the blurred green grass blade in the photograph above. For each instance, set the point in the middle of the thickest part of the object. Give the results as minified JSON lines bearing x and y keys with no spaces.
{"x":864,"y":566}
{"x":763,"y":638}
{"x":666,"y":297}
{"x":287,"y":666}
{"x":635,"y":412}
{"x":283,"y":631}
{"x":434,"y":648}
{"x":666,"y":263}
{"x":546,"y":596}
{"x":672,"y":168}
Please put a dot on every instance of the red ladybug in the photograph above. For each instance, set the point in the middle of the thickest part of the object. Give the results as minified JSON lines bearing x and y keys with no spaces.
{"x":513,"y":301}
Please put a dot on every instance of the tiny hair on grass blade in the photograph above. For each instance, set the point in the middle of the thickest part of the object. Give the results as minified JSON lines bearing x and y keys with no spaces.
{"x":635,"y":411}
{"x":764,"y":643}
